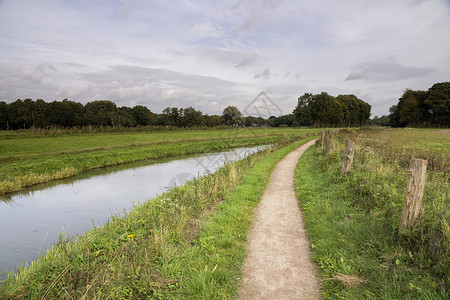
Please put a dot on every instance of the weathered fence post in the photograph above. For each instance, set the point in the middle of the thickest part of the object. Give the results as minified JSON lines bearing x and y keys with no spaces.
{"x":328,"y":142}
{"x":322,"y":139}
{"x":347,"y":160}
{"x":414,"y":193}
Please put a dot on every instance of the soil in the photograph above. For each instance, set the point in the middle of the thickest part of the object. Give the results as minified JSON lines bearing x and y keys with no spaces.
{"x":278,"y":263}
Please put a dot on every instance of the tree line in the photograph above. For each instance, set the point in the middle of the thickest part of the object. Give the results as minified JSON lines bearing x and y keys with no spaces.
{"x":321,"y":110}
{"x":422,"y":108}
{"x":24,"y":114}
{"x":324,"y":110}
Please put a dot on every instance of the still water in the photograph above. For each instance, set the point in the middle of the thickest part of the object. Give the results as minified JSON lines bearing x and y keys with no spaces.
{"x":31,"y":221}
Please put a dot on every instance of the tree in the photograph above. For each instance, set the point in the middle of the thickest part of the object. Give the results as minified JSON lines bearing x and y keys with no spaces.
{"x":394,"y":117}
{"x":142,"y":115}
{"x":254,"y":121}
{"x":438,"y":104}
{"x":125,"y":117}
{"x":212,"y":121}
{"x":410,"y":114}
{"x":100,"y":113}
{"x":64,"y":113}
{"x":191,"y":117}
{"x":379,"y":121}
{"x":325,"y":110}
{"x":285,"y":120}
{"x":423,"y":108}
{"x":4,"y":115}
{"x":173,"y":117}
{"x":20,"y":114}
{"x":231,"y":116}
{"x":302,"y":111}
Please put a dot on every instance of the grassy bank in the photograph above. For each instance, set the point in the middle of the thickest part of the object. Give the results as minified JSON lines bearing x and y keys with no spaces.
{"x":31,"y":159}
{"x":352,"y":222}
{"x":187,"y":243}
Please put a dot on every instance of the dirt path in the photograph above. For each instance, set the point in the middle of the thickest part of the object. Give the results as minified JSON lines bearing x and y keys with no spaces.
{"x":278,"y":264}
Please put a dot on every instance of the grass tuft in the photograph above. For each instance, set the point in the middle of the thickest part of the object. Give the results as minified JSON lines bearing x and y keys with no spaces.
{"x":349,"y":280}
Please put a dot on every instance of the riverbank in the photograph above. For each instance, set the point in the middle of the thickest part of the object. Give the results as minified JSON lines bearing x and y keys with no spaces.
{"x":27,"y":159}
{"x":188,"y":242}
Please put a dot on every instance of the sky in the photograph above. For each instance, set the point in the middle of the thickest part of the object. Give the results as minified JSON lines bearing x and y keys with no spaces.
{"x":211,"y":54}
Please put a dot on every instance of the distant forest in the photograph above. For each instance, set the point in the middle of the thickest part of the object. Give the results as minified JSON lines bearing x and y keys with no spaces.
{"x":323,"y":110}
{"x":24,"y":114}
{"x":312,"y":110}
{"x":414,"y":109}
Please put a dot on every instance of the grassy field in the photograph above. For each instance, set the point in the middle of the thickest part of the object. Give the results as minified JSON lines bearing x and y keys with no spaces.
{"x":28,"y":158}
{"x":187,"y":243}
{"x":352,"y":221}
{"x":190,"y":242}
{"x":401,"y":144}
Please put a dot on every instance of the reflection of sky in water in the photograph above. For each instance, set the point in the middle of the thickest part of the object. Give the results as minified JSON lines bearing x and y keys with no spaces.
{"x":33,"y":220}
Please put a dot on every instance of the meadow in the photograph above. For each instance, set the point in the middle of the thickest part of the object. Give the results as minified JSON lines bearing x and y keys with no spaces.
{"x":31,"y":157}
{"x":352,"y":221}
{"x":187,"y":243}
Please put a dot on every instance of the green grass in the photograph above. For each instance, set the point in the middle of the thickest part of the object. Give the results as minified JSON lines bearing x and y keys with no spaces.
{"x":17,"y":144}
{"x":187,"y":243}
{"x":352,"y":223}
{"x":28,"y":159}
{"x":431,"y":144}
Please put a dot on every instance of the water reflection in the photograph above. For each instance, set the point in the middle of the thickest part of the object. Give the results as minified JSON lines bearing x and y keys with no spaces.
{"x":30,"y":221}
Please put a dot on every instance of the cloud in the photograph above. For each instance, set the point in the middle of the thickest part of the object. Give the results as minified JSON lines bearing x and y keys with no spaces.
{"x":35,"y":74}
{"x":195,"y":52}
{"x":386,"y":70}
{"x":245,"y":62}
{"x":264,"y":74}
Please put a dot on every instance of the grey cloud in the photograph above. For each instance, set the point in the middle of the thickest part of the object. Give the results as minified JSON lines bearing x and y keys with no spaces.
{"x":264,"y":74}
{"x":173,"y":77}
{"x":123,"y":84}
{"x":238,"y":59}
{"x":35,"y":74}
{"x":245,"y":62}
{"x":253,"y":13}
{"x":385,"y":70}
{"x":155,"y":88}
{"x":250,"y":23}
{"x":124,"y":10}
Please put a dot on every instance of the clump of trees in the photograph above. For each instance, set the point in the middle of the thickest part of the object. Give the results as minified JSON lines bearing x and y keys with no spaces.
{"x":323,"y":110}
{"x":423,"y":108}
{"x":22,"y":114}
{"x":379,"y":121}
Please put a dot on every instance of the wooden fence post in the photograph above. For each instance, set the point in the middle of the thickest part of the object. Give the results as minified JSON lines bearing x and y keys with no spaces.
{"x":414,"y":193}
{"x":328,"y":142}
{"x":322,"y":139}
{"x":347,"y":160}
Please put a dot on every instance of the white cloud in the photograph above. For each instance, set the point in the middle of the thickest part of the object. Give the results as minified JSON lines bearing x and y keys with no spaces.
{"x":214,"y":54}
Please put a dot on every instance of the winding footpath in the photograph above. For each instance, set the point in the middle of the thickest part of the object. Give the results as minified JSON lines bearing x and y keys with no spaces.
{"x":278,"y":263}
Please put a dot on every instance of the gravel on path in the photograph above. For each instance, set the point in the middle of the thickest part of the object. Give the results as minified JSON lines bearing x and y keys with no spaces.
{"x":278,"y":263}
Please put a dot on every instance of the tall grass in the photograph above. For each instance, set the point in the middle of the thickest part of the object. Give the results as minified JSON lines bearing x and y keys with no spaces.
{"x":401,"y":144}
{"x":353,"y":223}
